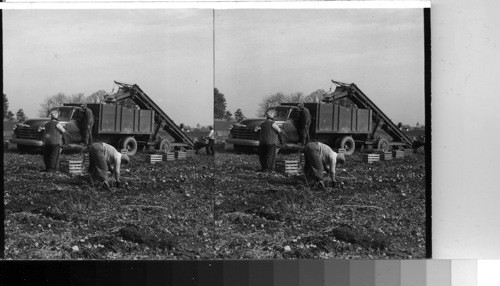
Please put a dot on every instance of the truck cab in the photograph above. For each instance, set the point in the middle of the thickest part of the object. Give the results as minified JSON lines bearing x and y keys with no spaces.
{"x":29,"y":134}
{"x":245,"y":134}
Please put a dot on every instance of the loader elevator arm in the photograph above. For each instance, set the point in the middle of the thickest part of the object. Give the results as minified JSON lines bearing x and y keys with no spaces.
{"x":352,"y":92}
{"x":133,"y":92}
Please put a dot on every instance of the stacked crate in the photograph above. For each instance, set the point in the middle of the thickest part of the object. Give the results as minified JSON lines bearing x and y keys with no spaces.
{"x":287,"y":166}
{"x":71,"y":166}
{"x":180,"y":155}
{"x":408,"y":152}
{"x":385,"y":156}
{"x":190,"y":153}
{"x":170,"y":156}
{"x":154,"y":158}
{"x":86,"y":162}
{"x":302,"y":159}
{"x":398,"y":154}
{"x":370,"y":158}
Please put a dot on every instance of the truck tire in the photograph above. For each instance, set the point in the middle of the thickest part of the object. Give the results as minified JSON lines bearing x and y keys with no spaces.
{"x":348,"y":144}
{"x":129,"y":144}
{"x":165,"y":145}
{"x":383,"y":144}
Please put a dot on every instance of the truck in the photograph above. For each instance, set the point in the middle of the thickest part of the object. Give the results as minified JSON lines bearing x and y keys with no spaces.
{"x":125,"y":128}
{"x":344,"y":118}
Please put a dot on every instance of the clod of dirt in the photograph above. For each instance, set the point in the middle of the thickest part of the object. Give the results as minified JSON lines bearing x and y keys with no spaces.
{"x":132,"y":234}
{"x":372,"y":240}
{"x":145,"y":237}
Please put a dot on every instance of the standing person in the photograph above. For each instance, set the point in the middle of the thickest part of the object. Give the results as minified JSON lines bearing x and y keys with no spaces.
{"x":304,"y":123}
{"x":53,"y":138}
{"x":103,"y":158}
{"x":211,"y":141}
{"x":268,"y":140}
{"x":87,"y":124}
{"x":319,"y":156}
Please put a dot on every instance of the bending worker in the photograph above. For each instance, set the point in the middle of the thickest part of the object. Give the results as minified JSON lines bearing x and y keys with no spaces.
{"x":269,"y":136}
{"x":103,"y":158}
{"x":52,"y":141}
{"x":87,"y":123}
{"x":318,"y":157}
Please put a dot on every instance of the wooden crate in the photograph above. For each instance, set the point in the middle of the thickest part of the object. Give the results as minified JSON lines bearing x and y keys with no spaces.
{"x":180,"y":155}
{"x":190,"y":153}
{"x":398,"y":154}
{"x":169,"y":156}
{"x":86,"y":161}
{"x":408,"y":152}
{"x":385,"y":156}
{"x":72,"y":166}
{"x":287,"y":166}
{"x":341,"y":151}
{"x":302,"y":159}
{"x":370,"y":158}
{"x":154,"y":158}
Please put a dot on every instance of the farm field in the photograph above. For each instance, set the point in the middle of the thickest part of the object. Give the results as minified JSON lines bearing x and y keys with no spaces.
{"x":164,"y":211}
{"x":377,"y":210}
{"x":199,"y":208}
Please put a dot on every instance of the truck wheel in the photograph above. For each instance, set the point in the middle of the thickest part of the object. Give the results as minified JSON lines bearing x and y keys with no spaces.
{"x":383,"y":144}
{"x":348,"y":144}
{"x":165,"y":145}
{"x":129,"y":144}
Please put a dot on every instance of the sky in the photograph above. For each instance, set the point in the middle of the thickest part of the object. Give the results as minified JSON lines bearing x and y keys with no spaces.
{"x":168,"y":53}
{"x":261,"y":52}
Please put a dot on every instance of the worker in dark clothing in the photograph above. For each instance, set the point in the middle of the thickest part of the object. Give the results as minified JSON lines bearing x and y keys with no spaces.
{"x":304,"y":123}
{"x":53,"y":139}
{"x":105,"y":158}
{"x":87,"y":124}
{"x":268,"y":140}
{"x":320,"y":157}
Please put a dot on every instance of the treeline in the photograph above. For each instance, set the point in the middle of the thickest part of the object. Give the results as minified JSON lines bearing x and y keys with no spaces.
{"x":9,"y":115}
{"x":220,"y":106}
{"x":59,"y":99}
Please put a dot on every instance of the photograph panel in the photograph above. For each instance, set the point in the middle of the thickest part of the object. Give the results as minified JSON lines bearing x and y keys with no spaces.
{"x":322,"y":113}
{"x":104,"y":112}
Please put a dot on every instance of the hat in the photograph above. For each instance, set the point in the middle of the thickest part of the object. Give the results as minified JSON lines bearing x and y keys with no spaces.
{"x":301,"y":105}
{"x":54,"y":114}
{"x":270,"y":114}
{"x":125,"y":159}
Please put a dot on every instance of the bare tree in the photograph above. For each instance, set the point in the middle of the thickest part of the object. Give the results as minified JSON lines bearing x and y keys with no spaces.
{"x":50,"y":102}
{"x":96,"y":97}
{"x":270,"y":101}
{"x":77,"y":98}
{"x":315,"y":96}
{"x":296,"y":97}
